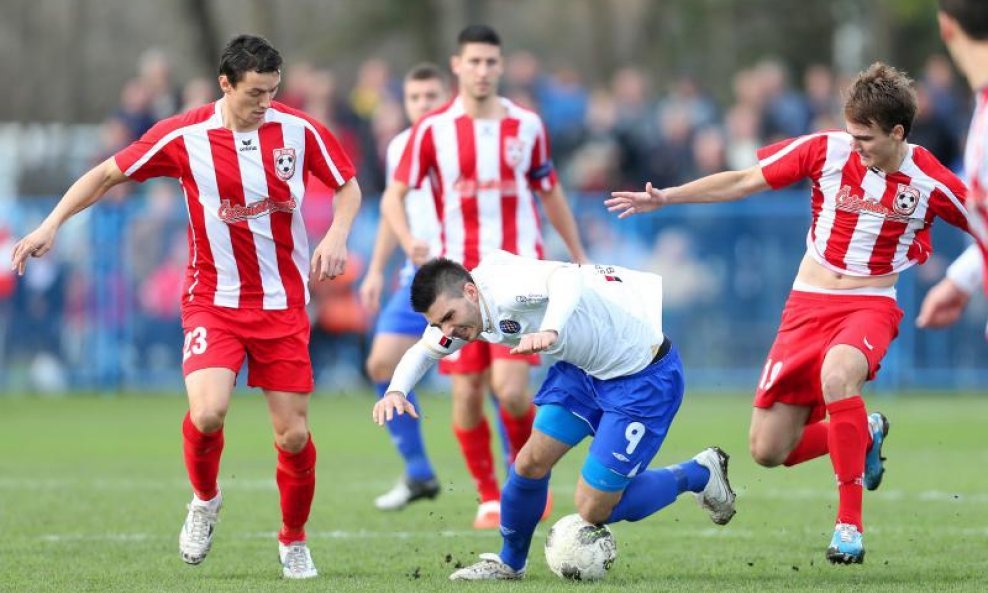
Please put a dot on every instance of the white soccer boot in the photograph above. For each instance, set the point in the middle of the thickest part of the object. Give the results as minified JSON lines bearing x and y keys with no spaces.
{"x":196,"y":537}
{"x":296,"y":561}
{"x":717,"y":497}
{"x":405,"y":492}
{"x":490,"y":568}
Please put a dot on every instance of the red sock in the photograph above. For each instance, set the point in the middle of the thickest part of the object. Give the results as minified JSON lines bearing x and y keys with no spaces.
{"x":848,"y":441}
{"x":475,"y":443}
{"x":518,"y":430}
{"x":202,"y":458}
{"x":813,"y":444}
{"x":296,"y":477}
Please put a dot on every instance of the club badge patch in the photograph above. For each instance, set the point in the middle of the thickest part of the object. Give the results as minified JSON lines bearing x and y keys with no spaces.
{"x":508,"y":326}
{"x":284,"y":162}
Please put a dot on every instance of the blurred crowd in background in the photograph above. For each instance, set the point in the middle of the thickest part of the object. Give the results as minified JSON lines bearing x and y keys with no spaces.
{"x":103,"y":313}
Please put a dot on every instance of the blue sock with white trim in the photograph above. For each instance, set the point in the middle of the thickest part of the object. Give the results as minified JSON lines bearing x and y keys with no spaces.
{"x":522,"y":503}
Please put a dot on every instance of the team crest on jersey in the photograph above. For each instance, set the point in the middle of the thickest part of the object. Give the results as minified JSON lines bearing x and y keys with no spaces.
{"x":284,"y":162}
{"x":906,"y":200}
{"x":508,"y":326}
{"x":514,"y":151}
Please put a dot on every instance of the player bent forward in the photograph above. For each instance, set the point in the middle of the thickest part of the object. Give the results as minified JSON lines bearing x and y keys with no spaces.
{"x":624,"y":392}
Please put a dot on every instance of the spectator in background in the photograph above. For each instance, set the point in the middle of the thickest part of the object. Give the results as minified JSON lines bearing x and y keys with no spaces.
{"x":821,"y":98}
{"x":595,"y":164}
{"x":135,"y":108}
{"x":563,"y":101}
{"x":154,"y":70}
{"x":372,"y":87}
{"x":934,"y":131}
{"x":743,"y":122}
{"x":709,"y":154}
{"x":298,"y":79}
{"x":785,"y":112}
{"x":196,"y":93}
{"x":636,"y":126}
{"x":160,"y":297}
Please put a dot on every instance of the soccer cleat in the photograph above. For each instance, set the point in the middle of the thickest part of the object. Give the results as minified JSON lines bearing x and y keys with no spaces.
{"x":490,"y":568}
{"x":878,"y":424}
{"x":196,"y":537}
{"x":488,"y":515}
{"x":405,"y":492}
{"x":717,"y":497}
{"x":296,"y":561}
{"x":846,"y":546}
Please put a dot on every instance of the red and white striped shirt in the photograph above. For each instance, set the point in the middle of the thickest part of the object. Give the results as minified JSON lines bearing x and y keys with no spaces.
{"x":866,"y":222}
{"x":976,"y":171}
{"x":243,"y":190}
{"x":482,"y":173}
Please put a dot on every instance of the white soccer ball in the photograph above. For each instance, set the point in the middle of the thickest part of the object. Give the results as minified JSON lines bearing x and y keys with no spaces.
{"x":581,"y":551}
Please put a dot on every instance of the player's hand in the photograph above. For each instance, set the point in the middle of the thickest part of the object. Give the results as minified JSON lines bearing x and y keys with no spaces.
{"x":329,"y":257}
{"x":626,"y":203}
{"x":537,"y":342}
{"x":393,"y":402}
{"x":370,"y":291}
{"x":419,"y":253}
{"x":943,"y":305}
{"x":37,"y":243}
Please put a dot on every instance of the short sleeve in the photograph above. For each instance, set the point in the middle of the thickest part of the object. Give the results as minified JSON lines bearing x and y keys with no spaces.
{"x":792,"y":160}
{"x":326,"y":158}
{"x":419,"y":156}
{"x":153,"y":154}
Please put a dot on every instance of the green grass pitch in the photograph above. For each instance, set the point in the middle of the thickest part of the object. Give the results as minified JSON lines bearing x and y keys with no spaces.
{"x":92,"y":495}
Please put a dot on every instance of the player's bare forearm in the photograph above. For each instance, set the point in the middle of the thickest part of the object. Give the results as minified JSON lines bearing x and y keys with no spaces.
{"x":725,"y":186}
{"x":393,"y":211}
{"x":384,"y":245}
{"x":560,"y":215}
{"x":86,"y":191}
{"x":346,"y":204}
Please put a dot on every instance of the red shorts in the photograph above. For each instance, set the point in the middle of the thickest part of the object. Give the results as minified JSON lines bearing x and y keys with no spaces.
{"x":476,"y":357}
{"x":275,"y":342}
{"x":812,"y":323}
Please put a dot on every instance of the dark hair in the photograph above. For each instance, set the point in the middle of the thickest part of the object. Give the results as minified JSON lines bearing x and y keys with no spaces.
{"x":248,"y":53}
{"x":426,"y":71}
{"x":439,"y":276}
{"x":478,"y":34}
{"x":881,"y":95}
{"x":971,"y":15}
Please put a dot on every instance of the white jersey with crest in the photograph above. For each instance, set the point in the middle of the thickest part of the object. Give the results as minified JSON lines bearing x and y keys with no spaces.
{"x":609,"y":319}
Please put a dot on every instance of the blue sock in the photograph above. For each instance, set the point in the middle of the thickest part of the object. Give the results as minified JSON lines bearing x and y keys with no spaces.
{"x":656,"y":489}
{"x":522,"y":503}
{"x":406,"y":434}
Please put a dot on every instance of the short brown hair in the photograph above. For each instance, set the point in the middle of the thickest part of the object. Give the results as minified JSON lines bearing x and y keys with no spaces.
{"x":971,"y":15}
{"x":426,"y":71}
{"x":882,"y":95}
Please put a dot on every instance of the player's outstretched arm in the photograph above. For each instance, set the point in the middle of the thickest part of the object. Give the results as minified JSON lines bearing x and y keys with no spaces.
{"x":329,"y":257}
{"x":720,"y":187}
{"x":372,"y":286}
{"x":561,"y":218}
{"x":85,"y":192}
{"x":943,"y":305}
{"x":414,"y":364}
{"x":393,"y":211}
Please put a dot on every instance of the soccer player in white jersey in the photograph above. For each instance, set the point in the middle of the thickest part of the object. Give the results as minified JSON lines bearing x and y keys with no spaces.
{"x":398,"y":327}
{"x":964,"y":29}
{"x":242,"y":162}
{"x":873,"y":199}
{"x":623,"y":392}
{"x":485,"y":159}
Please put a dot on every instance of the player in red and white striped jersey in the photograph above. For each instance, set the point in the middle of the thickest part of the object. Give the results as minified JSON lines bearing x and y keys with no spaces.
{"x":243,"y":162}
{"x":485,"y":159}
{"x":964,"y":29}
{"x":874,"y":197}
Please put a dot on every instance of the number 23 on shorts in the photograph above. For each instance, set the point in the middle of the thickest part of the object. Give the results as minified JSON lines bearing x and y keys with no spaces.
{"x":195,"y":342}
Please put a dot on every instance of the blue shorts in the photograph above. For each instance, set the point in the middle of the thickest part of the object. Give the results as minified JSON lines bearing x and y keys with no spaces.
{"x":628,"y":417}
{"x":397,"y":316}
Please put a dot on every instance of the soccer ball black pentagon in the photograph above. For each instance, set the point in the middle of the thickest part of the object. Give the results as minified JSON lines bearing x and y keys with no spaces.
{"x":581,"y":551}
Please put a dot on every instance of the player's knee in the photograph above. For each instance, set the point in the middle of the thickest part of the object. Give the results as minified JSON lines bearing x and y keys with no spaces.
{"x":836,"y":383}
{"x":530,"y":464}
{"x":293,"y":439}
{"x":593,"y":510}
{"x":765,"y":453}
{"x":207,"y":421}
{"x":513,"y":398}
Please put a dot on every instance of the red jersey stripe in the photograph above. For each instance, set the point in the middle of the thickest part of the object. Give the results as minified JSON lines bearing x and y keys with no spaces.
{"x":466,"y":143}
{"x":509,"y":199}
{"x":271,"y":138}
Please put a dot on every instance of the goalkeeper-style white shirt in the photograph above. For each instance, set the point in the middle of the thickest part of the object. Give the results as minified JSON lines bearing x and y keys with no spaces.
{"x":609,"y":319}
